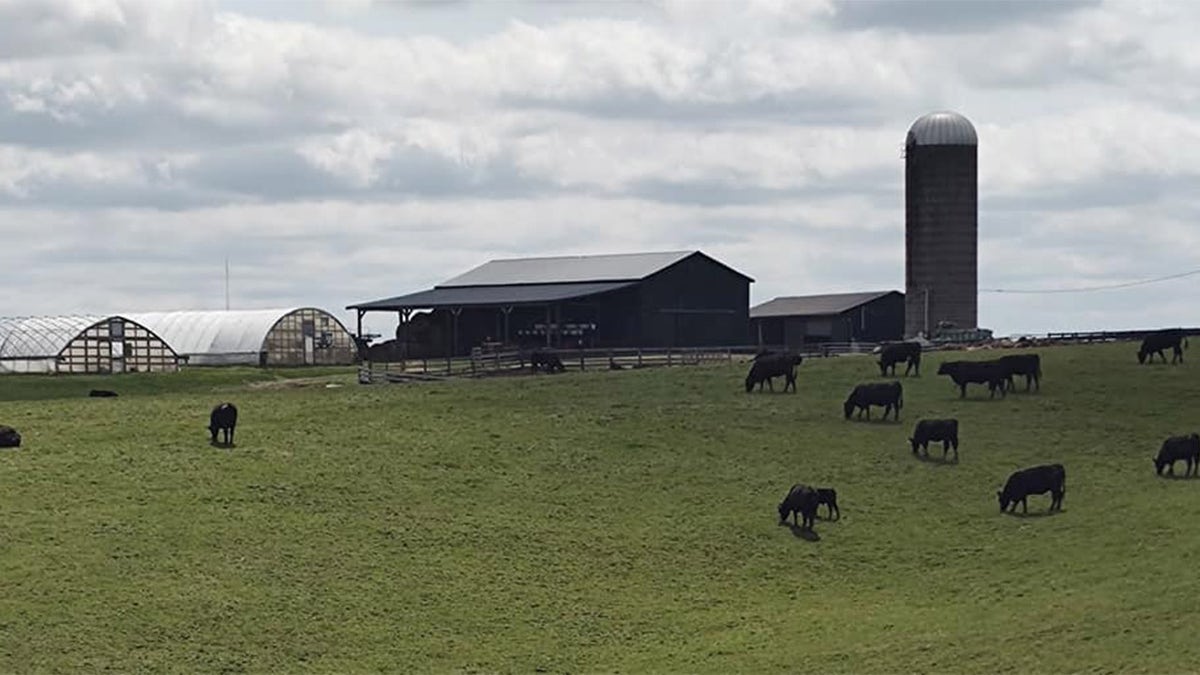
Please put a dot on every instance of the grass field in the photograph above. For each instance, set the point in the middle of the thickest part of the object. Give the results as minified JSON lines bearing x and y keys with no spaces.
{"x":606,"y":521}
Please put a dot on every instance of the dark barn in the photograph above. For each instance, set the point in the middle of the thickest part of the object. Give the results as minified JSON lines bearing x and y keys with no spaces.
{"x":796,"y":321}
{"x":675,"y":299}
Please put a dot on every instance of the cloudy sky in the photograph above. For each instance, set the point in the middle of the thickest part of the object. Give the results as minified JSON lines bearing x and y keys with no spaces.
{"x":350,"y":150}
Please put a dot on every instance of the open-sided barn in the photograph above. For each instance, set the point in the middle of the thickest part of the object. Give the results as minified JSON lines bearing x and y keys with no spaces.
{"x":873,"y":316}
{"x":672,"y":299}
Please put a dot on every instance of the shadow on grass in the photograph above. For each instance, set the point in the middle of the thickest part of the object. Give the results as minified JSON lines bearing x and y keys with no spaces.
{"x":873,"y":420}
{"x":223,"y":446}
{"x":945,"y":460}
{"x":1178,"y":476}
{"x":800,"y":532}
{"x":1034,"y":514}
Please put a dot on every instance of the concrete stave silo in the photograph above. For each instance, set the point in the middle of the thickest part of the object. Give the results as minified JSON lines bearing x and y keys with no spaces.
{"x":941,"y":224}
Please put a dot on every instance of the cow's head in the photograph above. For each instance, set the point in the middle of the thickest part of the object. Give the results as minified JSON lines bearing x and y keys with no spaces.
{"x":848,"y":407}
{"x":1142,"y":355}
{"x":749,"y":383}
{"x":1004,"y":501}
{"x":914,"y":443}
{"x":882,"y":368}
{"x":1159,"y":465}
{"x":783,"y":511}
{"x":945,"y":369}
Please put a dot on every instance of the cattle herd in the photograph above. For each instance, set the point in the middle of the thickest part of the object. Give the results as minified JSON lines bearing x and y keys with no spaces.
{"x":999,"y":376}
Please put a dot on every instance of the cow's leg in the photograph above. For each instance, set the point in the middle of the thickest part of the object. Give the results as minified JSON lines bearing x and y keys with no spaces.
{"x":962,"y":390}
{"x":1025,"y":504}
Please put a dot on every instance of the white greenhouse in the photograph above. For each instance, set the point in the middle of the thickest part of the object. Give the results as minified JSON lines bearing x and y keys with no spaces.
{"x":301,"y":336}
{"x":81,"y":344}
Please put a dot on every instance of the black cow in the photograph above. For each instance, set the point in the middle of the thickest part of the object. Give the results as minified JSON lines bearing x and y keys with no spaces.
{"x":828,"y":497}
{"x":803,"y":500}
{"x":1176,"y":448}
{"x":768,"y":365}
{"x":1038,"y":480}
{"x":945,"y":431}
{"x":9,"y":438}
{"x":102,"y":393}
{"x":223,"y":418}
{"x":890,"y":395}
{"x":894,"y":352}
{"x":1156,"y":342}
{"x":546,"y":360}
{"x":1029,"y":365}
{"x":963,"y":373}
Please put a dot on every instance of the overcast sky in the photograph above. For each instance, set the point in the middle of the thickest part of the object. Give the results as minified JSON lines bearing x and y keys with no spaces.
{"x":344,"y":151}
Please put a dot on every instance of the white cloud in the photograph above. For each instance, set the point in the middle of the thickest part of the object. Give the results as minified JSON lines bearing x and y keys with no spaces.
{"x":337,"y":163}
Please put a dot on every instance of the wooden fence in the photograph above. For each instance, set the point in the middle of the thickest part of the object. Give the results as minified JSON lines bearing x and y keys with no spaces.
{"x":511,"y":362}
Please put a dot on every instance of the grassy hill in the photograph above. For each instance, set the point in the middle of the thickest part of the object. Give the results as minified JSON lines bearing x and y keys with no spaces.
{"x":606,"y":521}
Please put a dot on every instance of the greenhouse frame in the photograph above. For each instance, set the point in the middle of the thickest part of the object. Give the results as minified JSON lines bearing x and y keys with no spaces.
{"x":298,"y":336}
{"x":162,"y":341}
{"x":82,"y":344}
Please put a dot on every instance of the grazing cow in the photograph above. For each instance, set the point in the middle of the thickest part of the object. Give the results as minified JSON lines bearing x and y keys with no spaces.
{"x":963,"y":373}
{"x":9,"y":438}
{"x":1156,"y":342}
{"x":803,"y":500}
{"x":1029,"y":365}
{"x":828,"y":497}
{"x":890,"y":395}
{"x":224,"y":419}
{"x":102,"y":393}
{"x":546,"y":360}
{"x":1176,"y":448}
{"x":945,"y":431}
{"x":894,"y":352}
{"x":1038,"y":480}
{"x":770,"y":365}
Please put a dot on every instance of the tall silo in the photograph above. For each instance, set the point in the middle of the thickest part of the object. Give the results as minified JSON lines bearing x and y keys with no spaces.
{"x":941,"y":194}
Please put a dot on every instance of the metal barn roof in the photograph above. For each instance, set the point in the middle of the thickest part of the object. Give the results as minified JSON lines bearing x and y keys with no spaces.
{"x":539,"y":280}
{"x":213,"y":332}
{"x":942,"y":128}
{"x":814,"y":305}
{"x":567,"y":269}
{"x":478,"y":296}
{"x":41,"y":336}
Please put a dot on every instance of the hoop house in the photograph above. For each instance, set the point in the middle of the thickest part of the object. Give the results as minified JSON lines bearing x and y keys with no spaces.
{"x":81,"y":344}
{"x":268,"y":337}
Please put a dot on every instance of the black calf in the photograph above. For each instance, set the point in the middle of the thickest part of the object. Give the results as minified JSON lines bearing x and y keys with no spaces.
{"x":223,"y":419}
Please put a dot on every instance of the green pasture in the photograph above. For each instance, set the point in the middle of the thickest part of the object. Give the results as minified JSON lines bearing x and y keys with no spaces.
{"x":594,"y":522}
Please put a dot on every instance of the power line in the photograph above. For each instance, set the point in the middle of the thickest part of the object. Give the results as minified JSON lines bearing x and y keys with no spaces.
{"x":1086,"y":289}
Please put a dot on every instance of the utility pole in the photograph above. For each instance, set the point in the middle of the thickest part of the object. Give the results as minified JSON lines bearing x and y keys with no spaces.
{"x":226,"y":283}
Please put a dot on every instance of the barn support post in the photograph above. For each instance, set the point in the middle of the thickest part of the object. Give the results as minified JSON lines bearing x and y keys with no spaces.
{"x":506,"y":310}
{"x":548,"y":317}
{"x":454,"y":312}
{"x":927,"y":335}
{"x":359,"y":312}
{"x":405,"y":315}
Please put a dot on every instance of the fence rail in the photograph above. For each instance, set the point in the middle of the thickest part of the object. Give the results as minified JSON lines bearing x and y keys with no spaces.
{"x":510,"y":362}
